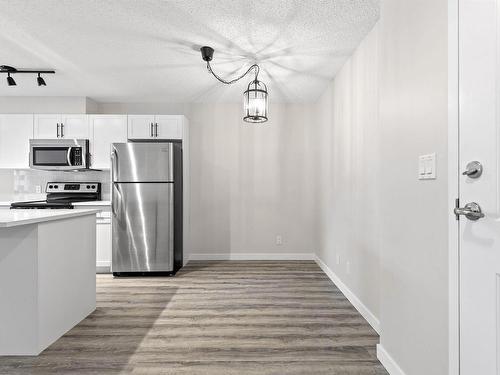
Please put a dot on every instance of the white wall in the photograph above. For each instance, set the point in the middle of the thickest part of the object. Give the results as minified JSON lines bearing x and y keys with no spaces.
{"x":373,"y":210}
{"x":413,"y":121}
{"x":348,"y":152}
{"x":43,"y":104}
{"x":252,"y":182}
{"x":143,"y":108}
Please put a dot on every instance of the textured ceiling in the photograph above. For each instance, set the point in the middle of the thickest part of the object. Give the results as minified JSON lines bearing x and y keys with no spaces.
{"x":147,"y":50}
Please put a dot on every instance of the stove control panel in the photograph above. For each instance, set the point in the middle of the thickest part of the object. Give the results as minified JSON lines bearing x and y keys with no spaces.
{"x":73,"y":187}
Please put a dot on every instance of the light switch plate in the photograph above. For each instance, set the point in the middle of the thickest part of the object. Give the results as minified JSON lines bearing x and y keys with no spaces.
{"x":427,"y":167}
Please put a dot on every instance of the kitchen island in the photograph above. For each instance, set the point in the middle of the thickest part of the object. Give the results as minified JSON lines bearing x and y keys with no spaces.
{"x":47,"y":276}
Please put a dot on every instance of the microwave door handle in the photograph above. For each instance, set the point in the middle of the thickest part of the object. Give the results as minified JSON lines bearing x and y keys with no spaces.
{"x":68,"y":156}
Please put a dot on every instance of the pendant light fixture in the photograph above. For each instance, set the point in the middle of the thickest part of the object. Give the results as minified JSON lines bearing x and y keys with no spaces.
{"x":255,"y":98}
{"x":11,"y":70}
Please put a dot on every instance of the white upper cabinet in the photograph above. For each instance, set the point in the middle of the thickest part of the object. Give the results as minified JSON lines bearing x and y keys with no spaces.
{"x":47,"y":126}
{"x":168,"y":127}
{"x":141,"y":126}
{"x":61,"y":126}
{"x":75,"y":126}
{"x":15,"y":133}
{"x":106,"y":129}
{"x":155,"y":127}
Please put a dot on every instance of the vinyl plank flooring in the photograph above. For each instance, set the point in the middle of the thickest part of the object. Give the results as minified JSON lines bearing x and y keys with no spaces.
{"x":233,"y":317}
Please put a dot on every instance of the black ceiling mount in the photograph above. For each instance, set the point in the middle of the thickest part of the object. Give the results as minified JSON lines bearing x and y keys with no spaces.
{"x":6,"y":68}
{"x":11,"y":70}
{"x":207,"y":53}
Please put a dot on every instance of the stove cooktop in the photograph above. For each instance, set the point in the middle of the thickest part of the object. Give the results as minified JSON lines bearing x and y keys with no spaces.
{"x":62,"y":194}
{"x":41,"y":205}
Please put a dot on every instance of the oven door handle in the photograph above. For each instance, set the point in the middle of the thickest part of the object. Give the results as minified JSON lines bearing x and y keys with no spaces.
{"x":68,"y":156}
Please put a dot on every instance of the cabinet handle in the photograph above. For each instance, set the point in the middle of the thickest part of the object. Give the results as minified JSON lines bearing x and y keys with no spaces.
{"x":57,"y":130}
{"x":152,"y":135}
{"x":62,"y":130}
{"x":156,"y":129}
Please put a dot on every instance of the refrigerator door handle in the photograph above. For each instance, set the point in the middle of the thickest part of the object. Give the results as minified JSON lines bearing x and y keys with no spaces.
{"x":114,"y":161}
{"x":116,"y":198}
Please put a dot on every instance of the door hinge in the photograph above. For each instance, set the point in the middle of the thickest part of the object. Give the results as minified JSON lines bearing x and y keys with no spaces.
{"x":457,"y":205}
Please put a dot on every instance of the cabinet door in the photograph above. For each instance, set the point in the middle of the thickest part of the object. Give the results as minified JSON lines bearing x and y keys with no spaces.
{"x":140,"y":126}
{"x":75,"y":126}
{"x":106,"y":129}
{"x":103,"y":244}
{"x":47,"y":126}
{"x":168,"y":127}
{"x":15,"y":133}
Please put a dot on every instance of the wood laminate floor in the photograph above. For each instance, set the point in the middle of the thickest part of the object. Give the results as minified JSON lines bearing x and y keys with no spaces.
{"x":215,"y":318}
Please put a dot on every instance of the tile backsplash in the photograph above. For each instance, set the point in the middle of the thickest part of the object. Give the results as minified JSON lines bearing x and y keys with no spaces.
{"x":20,"y":184}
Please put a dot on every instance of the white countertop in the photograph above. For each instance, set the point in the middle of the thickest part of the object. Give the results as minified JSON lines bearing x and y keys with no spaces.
{"x":76,"y":204}
{"x":12,"y":218}
{"x":93,"y":203}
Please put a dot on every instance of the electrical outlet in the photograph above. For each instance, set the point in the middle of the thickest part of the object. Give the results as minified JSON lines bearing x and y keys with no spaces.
{"x":338,"y":259}
{"x":348,"y":267}
{"x":279,"y":240}
{"x":38,"y":189}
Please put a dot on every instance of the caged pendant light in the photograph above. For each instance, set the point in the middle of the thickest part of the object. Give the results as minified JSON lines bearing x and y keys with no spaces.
{"x":255,"y":98}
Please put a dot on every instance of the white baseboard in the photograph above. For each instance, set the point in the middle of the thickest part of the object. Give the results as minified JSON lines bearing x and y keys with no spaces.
{"x":388,"y":362}
{"x":253,"y":256}
{"x":356,"y":302}
{"x":103,"y":263}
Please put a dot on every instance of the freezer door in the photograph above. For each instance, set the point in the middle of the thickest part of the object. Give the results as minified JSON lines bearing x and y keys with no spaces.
{"x":143,"y":227}
{"x":142,"y":162}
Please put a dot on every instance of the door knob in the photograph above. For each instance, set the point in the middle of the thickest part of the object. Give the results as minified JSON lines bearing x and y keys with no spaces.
{"x":471,"y":211}
{"x":473,"y":170}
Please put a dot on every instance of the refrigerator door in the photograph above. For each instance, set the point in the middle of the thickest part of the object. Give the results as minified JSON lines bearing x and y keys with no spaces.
{"x":143,"y":227}
{"x":142,"y":162}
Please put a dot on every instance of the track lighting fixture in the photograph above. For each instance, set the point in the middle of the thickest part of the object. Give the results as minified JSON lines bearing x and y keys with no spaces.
{"x":255,"y":98}
{"x":11,"y":70}
{"x":41,"y":81}
{"x":10,"y":80}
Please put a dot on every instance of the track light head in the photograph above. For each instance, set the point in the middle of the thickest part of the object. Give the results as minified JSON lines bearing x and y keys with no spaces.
{"x":10,"y":80}
{"x":41,"y":81}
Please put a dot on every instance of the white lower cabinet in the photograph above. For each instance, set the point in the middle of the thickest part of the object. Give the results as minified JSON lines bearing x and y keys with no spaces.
{"x":103,"y":235}
{"x":103,"y":245}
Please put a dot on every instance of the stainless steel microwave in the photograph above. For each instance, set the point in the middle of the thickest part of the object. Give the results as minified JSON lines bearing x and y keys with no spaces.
{"x":59,"y":154}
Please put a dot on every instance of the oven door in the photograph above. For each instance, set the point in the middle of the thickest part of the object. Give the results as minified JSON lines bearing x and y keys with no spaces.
{"x":57,"y":155}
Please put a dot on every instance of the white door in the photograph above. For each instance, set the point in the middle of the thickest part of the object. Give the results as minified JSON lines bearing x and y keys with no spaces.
{"x":168,"y":127}
{"x":15,"y":134}
{"x":106,"y":129}
{"x":479,"y":75}
{"x":47,"y":126}
{"x":141,"y":126}
{"x":75,"y":126}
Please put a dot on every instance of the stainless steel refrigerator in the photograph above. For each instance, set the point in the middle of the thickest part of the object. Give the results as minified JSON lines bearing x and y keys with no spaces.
{"x":146,"y":202}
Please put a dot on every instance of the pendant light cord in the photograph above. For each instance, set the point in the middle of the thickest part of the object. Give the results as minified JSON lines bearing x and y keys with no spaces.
{"x":254,"y":66}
